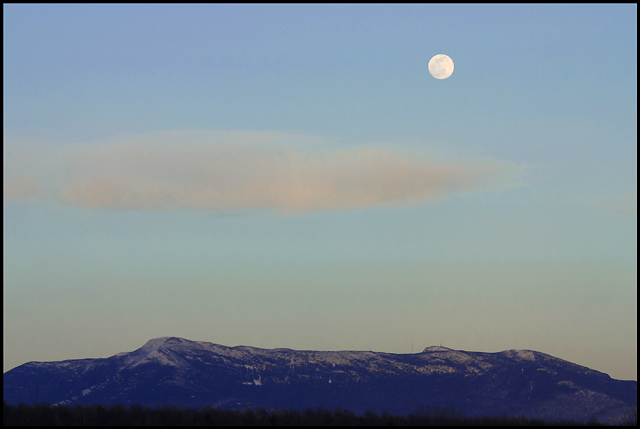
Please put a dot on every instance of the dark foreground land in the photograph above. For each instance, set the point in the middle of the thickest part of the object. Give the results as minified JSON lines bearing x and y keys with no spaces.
{"x":137,"y":415}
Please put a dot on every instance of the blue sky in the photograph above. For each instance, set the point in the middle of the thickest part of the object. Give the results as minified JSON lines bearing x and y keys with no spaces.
{"x":292,"y":176}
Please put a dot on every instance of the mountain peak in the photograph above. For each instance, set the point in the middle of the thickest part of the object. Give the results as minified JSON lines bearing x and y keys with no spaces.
{"x":165,"y":341}
{"x":520,"y":354}
{"x":158,"y":350}
{"x":436,"y":349}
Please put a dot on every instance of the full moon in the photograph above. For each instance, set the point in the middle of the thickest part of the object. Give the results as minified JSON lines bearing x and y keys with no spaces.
{"x":441,"y":66}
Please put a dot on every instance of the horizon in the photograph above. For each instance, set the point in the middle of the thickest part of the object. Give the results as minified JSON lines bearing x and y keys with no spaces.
{"x":435,"y":348}
{"x":293,"y":176}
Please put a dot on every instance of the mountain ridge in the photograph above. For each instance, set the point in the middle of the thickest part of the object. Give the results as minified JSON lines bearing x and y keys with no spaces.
{"x":177,"y":371}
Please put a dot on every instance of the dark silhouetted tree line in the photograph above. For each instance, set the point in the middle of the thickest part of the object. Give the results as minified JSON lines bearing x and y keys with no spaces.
{"x":138,"y":415}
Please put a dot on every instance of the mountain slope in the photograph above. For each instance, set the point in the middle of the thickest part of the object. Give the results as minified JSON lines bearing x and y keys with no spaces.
{"x":176,"y":371}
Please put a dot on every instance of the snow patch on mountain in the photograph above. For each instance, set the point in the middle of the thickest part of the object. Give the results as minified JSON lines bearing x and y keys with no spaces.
{"x":157,"y":350}
{"x":520,"y":354}
{"x":436,"y":349}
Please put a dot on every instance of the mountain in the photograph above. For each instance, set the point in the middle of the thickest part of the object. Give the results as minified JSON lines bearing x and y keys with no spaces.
{"x":176,"y":371}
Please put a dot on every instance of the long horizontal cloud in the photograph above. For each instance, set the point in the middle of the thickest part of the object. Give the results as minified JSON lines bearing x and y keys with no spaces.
{"x":241,"y":171}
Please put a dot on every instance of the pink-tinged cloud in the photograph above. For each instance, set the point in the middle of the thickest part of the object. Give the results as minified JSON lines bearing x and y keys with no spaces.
{"x":214,"y":171}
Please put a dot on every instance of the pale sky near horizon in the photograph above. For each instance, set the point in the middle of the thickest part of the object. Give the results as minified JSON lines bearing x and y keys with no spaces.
{"x":292,"y":176}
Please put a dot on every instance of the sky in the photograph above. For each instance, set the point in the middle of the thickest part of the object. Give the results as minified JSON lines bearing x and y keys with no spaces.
{"x":292,"y":176}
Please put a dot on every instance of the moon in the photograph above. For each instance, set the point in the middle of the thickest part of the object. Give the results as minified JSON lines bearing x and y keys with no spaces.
{"x":441,"y":66}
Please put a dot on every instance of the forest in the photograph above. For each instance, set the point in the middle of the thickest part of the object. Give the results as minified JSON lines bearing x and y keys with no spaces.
{"x":138,"y":415}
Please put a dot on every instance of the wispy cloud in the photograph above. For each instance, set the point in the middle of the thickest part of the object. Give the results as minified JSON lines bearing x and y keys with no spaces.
{"x":243,"y":171}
